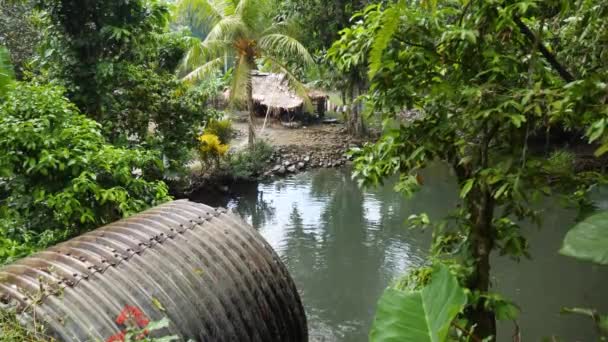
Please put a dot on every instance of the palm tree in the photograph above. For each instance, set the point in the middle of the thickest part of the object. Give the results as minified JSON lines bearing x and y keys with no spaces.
{"x":246,"y":30}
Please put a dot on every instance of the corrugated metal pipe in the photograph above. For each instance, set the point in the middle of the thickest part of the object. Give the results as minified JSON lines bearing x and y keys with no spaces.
{"x":212,"y":275}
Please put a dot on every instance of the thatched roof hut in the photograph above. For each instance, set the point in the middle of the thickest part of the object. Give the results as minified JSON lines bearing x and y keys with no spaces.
{"x":271,"y":92}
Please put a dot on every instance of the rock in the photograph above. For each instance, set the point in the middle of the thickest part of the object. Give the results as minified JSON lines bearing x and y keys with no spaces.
{"x":306,"y":159}
{"x":301,"y":165}
{"x":281,"y":170}
{"x":276,"y":168}
{"x":292,"y":169}
{"x":287,"y":163}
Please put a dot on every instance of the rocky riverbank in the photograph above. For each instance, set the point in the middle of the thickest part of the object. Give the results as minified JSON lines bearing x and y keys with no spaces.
{"x":292,"y":159}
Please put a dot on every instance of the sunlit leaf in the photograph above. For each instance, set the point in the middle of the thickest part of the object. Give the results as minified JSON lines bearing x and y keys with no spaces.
{"x":420,"y":316}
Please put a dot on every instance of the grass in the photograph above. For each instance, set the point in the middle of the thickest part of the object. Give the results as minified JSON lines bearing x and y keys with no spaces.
{"x":11,"y":330}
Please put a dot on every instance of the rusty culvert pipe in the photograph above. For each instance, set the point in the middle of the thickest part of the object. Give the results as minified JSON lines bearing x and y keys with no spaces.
{"x":211,"y":274}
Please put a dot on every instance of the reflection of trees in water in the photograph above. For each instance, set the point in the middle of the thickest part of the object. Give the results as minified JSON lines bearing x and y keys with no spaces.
{"x":255,"y":207}
{"x":345,"y":261}
{"x":343,"y":257}
{"x":301,"y":245}
{"x":338,"y":262}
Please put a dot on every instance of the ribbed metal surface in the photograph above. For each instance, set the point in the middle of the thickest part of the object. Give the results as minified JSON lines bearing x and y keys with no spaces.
{"x":214,"y":276}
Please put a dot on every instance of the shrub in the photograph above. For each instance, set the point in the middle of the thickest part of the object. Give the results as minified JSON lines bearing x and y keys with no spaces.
{"x":249,"y":163}
{"x":137,"y":97}
{"x":222,"y":128}
{"x":58,"y":174}
{"x":211,"y":150}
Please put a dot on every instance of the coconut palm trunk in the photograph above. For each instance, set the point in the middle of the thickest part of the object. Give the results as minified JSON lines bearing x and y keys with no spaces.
{"x":251,"y":109}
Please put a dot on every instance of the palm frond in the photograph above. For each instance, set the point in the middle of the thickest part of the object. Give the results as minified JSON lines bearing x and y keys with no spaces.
{"x":293,"y":82}
{"x":228,"y":28}
{"x":204,"y":12}
{"x":256,"y":14}
{"x":280,"y":44}
{"x":206,"y":70}
{"x":240,"y":81}
{"x":289,"y":28}
{"x":7,"y":75}
{"x":201,"y":52}
{"x":390,"y":23}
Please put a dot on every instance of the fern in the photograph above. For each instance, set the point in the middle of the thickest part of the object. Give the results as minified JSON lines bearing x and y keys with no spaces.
{"x":390,"y":24}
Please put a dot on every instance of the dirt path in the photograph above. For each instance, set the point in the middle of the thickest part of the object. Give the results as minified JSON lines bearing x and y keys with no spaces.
{"x":307,"y":137}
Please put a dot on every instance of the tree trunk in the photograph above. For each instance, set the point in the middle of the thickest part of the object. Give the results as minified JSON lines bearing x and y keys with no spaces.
{"x":480,"y":205}
{"x":355,"y":125}
{"x":482,"y":241}
{"x":251,"y":110}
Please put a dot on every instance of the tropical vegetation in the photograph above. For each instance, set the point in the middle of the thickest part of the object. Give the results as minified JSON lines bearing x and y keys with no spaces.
{"x":106,"y":105}
{"x":249,"y":33}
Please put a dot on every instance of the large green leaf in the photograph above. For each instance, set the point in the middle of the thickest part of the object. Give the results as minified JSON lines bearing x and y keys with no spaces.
{"x":588,"y":240}
{"x":419,"y":316}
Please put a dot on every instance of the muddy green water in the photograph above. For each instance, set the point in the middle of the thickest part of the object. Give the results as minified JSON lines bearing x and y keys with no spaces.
{"x":343,"y":246}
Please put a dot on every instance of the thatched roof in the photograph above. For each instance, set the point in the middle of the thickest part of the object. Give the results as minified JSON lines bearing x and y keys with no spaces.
{"x":271,"y":90}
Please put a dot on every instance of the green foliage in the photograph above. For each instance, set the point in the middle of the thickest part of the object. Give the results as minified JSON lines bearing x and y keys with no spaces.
{"x":323,"y":20}
{"x":120,"y":72}
{"x":348,"y":58}
{"x":421,"y":315}
{"x":59,"y":175}
{"x":18,"y":31}
{"x":483,"y":79}
{"x":89,"y":43}
{"x":11,"y":330}
{"x":250,"y":163}
{"x":153,"y":109}
{"x":588,"y":240}
{"x":221,"y":128}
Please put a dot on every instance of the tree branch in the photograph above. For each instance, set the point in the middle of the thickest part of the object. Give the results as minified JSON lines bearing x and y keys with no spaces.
{"x":561,"y":70}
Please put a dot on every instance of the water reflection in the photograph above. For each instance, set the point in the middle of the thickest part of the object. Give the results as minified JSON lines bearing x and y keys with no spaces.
{"x":344,"y":246}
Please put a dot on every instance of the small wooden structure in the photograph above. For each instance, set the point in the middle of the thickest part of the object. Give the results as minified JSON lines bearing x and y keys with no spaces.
{"x":273,"y":96}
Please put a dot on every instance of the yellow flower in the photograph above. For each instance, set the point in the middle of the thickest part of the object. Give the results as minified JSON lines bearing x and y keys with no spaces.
{"x":211,"y":147}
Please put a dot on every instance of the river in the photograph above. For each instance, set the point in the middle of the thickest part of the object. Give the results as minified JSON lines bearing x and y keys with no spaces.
{"x":343,"y":246}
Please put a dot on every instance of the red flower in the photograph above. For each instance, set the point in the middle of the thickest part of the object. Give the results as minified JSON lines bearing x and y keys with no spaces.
{"x":120,"y":337}
{"x":130,"y":314}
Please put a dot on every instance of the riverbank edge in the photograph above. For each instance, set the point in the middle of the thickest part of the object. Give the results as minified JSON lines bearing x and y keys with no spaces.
{"x":285,"y":161}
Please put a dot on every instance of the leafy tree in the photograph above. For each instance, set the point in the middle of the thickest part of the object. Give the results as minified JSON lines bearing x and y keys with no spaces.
{"x":349,"y":56}
{"x":246,"y":30}
{"x":59,"y":176}
{"x":90,"y":36}
{"x":323,"y":20}
{"x":117,"y":61}
{"x":483,"y":80}
{"x":18,"y":31}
